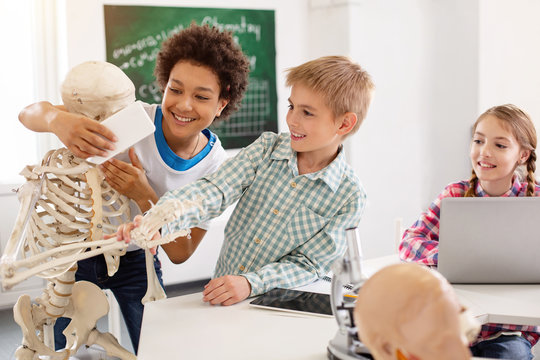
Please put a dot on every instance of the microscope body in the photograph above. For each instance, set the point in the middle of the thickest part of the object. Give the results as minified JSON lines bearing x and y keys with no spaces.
{"x":347,"y":271}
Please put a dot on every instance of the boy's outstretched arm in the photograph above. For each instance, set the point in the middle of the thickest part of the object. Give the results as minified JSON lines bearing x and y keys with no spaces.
{"x":84,"y":137}
{"x":123,"y":232}
{"x":129,"y":179}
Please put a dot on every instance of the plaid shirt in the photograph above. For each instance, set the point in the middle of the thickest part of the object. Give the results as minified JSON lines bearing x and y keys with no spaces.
{"x":420,"y":244}
{"x":287,"y":229}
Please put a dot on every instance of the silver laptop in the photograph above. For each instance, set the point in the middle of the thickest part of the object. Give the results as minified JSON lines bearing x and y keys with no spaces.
{"x":492,"y":240}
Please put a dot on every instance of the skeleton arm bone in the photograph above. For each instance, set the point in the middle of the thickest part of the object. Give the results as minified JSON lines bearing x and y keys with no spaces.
{"x":28,"y":194}
{"x":40,"y":263}
{"x":79,"y":169}
{"x":151,"y":223}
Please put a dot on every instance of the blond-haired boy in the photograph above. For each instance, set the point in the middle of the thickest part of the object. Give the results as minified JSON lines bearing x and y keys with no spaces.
{"x":296,"y":194}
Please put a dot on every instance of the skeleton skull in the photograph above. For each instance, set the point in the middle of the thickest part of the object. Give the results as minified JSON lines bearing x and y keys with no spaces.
{"x":407,"y":311}
{"x":97,"y":90}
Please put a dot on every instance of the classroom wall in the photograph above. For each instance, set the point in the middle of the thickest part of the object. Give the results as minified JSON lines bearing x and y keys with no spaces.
{"x":415,"y":138}
{"x":509,"y":54}
{"x":290,"y":45}
{"x":436,"y":65}
{"x":289,"y":52}
{"x":423,"y":57}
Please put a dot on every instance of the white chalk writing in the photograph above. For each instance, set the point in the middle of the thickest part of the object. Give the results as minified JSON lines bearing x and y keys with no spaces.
{"x":144,"y":50}
{"x":237,"y":28}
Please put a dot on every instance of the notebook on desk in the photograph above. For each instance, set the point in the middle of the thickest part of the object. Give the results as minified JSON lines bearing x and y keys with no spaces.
{"x":492,"y":240}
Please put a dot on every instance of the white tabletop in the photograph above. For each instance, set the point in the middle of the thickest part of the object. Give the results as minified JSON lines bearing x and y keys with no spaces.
{"x":502,"y":304}
{"x":185,"y":327}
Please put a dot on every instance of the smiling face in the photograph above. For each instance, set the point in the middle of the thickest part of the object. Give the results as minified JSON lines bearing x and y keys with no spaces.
{"x":495,"y":154}
{"x":190,"y":102}
{"x":315,"y":131}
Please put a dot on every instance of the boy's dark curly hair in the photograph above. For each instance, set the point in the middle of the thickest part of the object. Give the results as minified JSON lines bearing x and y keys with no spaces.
{"x":207,"y":46}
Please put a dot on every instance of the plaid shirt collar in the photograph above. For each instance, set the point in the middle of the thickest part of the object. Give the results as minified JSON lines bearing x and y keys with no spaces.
{"x":331,"y":174}
{"x":513,"y":191}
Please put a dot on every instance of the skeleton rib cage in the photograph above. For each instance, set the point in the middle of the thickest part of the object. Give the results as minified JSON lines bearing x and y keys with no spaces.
{"x":71,"y":206}
{"x":66,"y":208}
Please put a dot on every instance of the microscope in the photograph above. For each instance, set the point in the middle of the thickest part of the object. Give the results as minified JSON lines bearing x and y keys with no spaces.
{"x":348,"y":270}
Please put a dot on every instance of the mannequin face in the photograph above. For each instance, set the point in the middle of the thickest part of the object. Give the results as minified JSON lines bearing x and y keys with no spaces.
{"x":412,"y":311}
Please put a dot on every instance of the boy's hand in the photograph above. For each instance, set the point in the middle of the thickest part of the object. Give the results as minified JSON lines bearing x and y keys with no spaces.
{"x":226,"y":290}
{"x":130,"y":180}
{"x":83,"y":136}
{"x":124,"y":230}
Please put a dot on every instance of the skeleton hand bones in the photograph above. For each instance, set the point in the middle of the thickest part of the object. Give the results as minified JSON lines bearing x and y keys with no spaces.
{"x":144,"y":230}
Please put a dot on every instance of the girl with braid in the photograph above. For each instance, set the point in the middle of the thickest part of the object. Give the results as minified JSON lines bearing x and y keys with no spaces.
{"x":503,"y":163}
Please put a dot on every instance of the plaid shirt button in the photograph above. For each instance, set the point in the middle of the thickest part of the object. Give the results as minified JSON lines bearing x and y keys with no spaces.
{"x":242,"y":268}
{"x":257,"y":241}
{"x":293,"y":184}
{"x":275,"y":211}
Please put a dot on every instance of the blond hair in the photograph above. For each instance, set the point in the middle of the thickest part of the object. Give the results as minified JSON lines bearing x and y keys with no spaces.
{"x":344,"y":85}
{"x":522,"y":127}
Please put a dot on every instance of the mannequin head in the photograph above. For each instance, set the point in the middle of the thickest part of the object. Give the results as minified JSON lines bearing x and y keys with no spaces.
{"x":97,"y":89}
{"x":409,"y":310}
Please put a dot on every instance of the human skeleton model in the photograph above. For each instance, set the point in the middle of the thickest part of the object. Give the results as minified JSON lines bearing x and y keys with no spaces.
{"x":407,"y":311}
{"x":66,"y":207}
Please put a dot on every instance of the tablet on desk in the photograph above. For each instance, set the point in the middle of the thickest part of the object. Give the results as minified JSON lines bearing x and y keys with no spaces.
{"x":295,"y":301}
{"x":130,"y":125}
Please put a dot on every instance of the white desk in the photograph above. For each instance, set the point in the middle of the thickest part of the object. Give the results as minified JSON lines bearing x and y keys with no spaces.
{"x":187,"y":328}
{"x":502,"y":304}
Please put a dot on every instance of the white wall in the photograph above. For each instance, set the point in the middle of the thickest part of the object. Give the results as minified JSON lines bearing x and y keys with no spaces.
{"x":510,"y":55}
{"x":422,"y":56}
{"x":85,"y":38}
{"x":75,"y":33}
{"x":436,"y":65}
{"x":289,"y":49}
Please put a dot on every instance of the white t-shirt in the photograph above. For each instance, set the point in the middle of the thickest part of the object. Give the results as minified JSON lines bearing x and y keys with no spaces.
{"x":163,"y":175}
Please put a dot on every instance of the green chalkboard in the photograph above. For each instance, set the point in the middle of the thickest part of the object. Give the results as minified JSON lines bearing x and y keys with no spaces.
{"x":133,"y":35}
